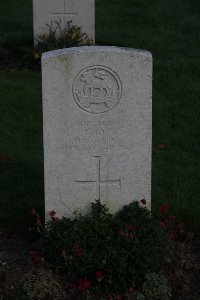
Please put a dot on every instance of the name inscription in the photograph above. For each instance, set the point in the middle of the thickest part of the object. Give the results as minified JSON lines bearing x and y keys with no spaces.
{"x":99,"y":136}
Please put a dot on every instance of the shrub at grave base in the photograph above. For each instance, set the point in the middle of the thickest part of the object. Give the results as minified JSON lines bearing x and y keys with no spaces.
{"x":104,"y":253}
{"x":58,"y":38}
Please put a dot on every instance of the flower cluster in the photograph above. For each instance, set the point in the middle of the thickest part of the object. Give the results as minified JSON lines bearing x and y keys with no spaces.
{"x":130,"y":229}
{"x":168,"y":222}
{"x":53,"y":216}
{"x":99,"y":276}
{"x":163,"y":208}
{"x":83,"y":284}
{"x":87,"y":248}
{"x":77,"y":250}
{"x":160,"y":146}
{"x":2,"y":158}
{"x":143,"y":201}
{"x":38,"y":222}
{"x":38,"y":260}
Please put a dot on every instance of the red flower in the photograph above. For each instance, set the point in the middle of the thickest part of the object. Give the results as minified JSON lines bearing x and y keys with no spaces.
{"x":33,"y":211}
{"x":123,"y":234}
{"x":2,"y":158}
{"x":162,"y":225}
{"x":33,"y":255}
{"x":131,"y":227}
{"x":63,"y":253}
{"x":99,"y":276}
{"x":171,"y":235}
{"x":54,"y":220}
{"x":180,"y":226}
{"x":77,"y":250}
{"x":52,"y":213}
{"x":160,"y":146}
{"x":164,"y":207}
{"x":118,"y":297}
{"x":83,"y":285}
{"x":38,"y":221}
{"x":41,"y":262}
{"x":132,"y":290}
{"x":143,"y":201}
{"x":172,"y":219}
{"x":110,"y":297}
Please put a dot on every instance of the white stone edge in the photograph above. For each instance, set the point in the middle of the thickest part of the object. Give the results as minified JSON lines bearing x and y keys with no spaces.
{"x":84,"y":49}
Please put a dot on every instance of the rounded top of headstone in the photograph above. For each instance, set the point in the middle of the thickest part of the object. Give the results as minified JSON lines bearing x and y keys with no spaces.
{"x":96,"y":49}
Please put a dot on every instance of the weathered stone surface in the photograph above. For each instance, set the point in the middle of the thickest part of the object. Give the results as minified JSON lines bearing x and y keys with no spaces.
{"x":80,"y":12}
{"x":97,"y":127}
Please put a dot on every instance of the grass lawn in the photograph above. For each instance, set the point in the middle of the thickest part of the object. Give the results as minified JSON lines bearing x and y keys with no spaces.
{"x":16,"y":22}
{"x":170,"y":30}
{"x":21,"y":173}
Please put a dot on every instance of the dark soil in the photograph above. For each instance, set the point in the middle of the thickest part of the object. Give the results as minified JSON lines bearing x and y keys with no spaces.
{"x":16,"y":266}
{"x":184,"y":269}
{"x":14,"y":262}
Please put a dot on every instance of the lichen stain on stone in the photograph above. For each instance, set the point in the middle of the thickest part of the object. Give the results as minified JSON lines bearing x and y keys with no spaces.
{"x":65,"y":63}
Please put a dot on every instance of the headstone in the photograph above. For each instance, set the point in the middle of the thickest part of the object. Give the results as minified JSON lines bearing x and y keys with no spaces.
{"x":97,"y":127}
{"x":80,"y":12}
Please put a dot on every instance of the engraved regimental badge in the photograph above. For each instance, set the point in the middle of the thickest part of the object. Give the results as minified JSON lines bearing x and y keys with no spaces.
{"x":97,"y":89}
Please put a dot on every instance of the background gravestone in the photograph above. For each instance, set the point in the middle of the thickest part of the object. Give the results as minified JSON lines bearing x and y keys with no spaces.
{"x":97,"y":127}
{"x":81,"y":12}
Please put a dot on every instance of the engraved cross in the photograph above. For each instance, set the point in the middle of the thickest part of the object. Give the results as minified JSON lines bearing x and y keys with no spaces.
{"x":64,"y":14}
{"x":98,"y":180}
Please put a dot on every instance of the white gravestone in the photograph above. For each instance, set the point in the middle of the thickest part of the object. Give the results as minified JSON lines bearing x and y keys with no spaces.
{"x":97,"y":127}
{"x":80,"y":12}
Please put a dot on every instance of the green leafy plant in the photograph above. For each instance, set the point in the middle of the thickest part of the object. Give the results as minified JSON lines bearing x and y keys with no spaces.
{"x":58,"y":38}
{"x":103,"y":253}
{"x":155,"y":287}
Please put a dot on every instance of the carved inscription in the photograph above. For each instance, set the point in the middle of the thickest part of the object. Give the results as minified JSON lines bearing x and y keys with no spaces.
{"x":98,"y":181}
{"x":97,"y":89}
{"x":98,"y":136}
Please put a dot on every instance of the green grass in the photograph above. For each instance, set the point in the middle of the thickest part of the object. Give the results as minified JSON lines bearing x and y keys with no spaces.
{"x":16,"y":22}
{"x":21,"y":174}
{"x":170,"y":30}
